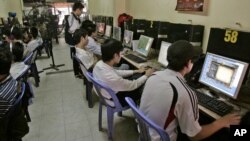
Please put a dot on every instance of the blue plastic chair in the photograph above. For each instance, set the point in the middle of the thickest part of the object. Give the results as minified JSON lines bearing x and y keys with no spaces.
{"x":86,"y":81}
{"x":23,"y":74}
{"x":20,"y":95}
{"x":113,"y":105}
{"x":145,"y":123}
{"x":28,"y":59}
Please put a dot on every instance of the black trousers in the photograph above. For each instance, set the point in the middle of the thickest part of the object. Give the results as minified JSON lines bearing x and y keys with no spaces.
{"x":134,"y":94}
{"x":76,"y":65}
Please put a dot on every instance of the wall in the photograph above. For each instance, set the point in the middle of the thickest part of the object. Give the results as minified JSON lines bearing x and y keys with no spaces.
{"x":11,"y":5}
{"x":101,"y":7}
{"x":221,"y":13}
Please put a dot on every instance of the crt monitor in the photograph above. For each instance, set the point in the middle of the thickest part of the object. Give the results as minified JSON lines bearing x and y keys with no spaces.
{"x":162,"y":59}
{"x":108,"y":30}
{"x":117,"y":33}
{"x":100,"y":27}
{"x":144,"y":45}
{"x":223,"y":74}
{"x":128,"y":38}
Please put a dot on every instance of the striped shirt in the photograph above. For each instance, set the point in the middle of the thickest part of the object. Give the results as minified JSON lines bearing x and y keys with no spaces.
{"x":8,"y":92}
{"x":156,"y":101}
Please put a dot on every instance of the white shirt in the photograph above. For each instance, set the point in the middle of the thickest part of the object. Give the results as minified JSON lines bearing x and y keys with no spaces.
{"x":31,"y":46}
{"x":114,"y":78}
{"x":93,"y":46}
{"x":157,"y":98}
{"x":17,"y":69}
{"x":86,"y":57}
{"x":73,"y":23}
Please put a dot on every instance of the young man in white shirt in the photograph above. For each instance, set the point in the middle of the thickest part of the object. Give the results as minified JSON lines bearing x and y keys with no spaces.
{"x":17,"y":66}
{"x":169,"y":85}
{"x":115,"y":79}
{"x":86,"y":57}
{"x":34,"y":42}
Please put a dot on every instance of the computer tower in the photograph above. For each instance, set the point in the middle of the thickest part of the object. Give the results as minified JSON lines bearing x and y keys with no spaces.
{"x":140,"y":25}
{"x":196,"y":35}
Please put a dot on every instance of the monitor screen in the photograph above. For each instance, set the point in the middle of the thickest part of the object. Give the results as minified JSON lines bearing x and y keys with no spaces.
{"x":128,"y":38}
{"x":108,"y":30}
{"x":117,"y":33}
{"x":223,"y":74}
{"x":144,"y":45}
{"x":100,"y":27}
{"x":162,"y":59}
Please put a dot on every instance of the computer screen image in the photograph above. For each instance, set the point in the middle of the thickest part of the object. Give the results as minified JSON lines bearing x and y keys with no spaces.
{"x":100,"y":27}
{"x":144,"y":45}
{"x":117,"y":33}
{"x":223,"y":74}
{"x":108,"y":30}
{"x":128,"y":38}
{"x":162,"y":59}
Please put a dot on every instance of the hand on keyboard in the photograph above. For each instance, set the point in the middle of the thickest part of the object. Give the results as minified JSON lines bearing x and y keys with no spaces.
{"x":149,"y":72}
{"x":229,"y":119}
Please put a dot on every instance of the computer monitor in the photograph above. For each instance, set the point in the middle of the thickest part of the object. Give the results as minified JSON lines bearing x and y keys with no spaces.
{"x":100,"y":27}
{"x":128,"y":38}
{"x":117,"y":33}
{"x":144,"y":45}
{"x":108,"y":30}
{"x":223,"y":74}
{"x":162,"y":59}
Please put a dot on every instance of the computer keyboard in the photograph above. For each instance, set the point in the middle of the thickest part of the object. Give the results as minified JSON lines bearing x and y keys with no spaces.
{"x":135,"y":58}
{"x":217,"y":106}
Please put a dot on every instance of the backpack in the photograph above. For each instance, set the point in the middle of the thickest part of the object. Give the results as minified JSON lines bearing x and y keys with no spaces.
{"x":68,"y":36}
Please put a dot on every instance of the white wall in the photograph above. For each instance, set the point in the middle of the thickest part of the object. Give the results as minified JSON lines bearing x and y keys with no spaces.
{"x":101,"y":7}
{"x":11,"y":5}
{"x":221,"y":13}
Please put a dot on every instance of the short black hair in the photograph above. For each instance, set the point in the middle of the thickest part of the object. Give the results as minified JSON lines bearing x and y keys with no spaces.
{"x":179,"y":53}
{"x":17,"y":52}
{"x":34,"y":32}
{"x":89,"y":26}
{"x":16,"y":33}
{"x":78,"y":34}
{"x":109,"y":48}
{"x":5,"y":61}
{"x":77,"y":5}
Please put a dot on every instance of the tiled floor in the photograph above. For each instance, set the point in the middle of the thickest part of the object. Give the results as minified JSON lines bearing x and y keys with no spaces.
{"x":60,"y":113}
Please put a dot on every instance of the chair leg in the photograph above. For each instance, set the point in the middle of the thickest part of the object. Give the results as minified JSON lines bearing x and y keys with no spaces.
{"x":120,"y":114}
{"x":100,"y":116}
{"x":89,"y":95}
{"x":110,"y":114}
{"x":27,"y":115}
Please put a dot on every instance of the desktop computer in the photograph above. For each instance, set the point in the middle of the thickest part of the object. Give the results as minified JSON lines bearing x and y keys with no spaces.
{"x":223,"y":74}
{"x":100,"y":27}
{"x":117,"y":33}
{"x":128,"y":38}
{"x":108,"y":30}
{"x":162,"y":59}
{"x":143,"y":48}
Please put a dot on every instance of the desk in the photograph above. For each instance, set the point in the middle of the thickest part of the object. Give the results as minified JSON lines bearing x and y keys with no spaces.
{"x":153,"y":63}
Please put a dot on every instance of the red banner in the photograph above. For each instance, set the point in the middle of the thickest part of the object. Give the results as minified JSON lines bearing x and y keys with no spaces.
{"x":190,"y":5}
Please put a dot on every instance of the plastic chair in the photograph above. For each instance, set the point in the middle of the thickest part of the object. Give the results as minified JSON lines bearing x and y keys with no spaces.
{"x":113,"y":105}
{"x":23,"y":74}
{"x":28,"y":59}
{"x":20,"y":96}
{"x":145,"y":123}
{"x":86,"y":81}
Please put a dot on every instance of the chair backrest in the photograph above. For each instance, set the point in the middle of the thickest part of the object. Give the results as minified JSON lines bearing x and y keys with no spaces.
{"x":145,"y":123}
{"x":20,"y":95}
{"x":101,"y":88}
{"x":28,"y":59}
{"x":83,"y":68}
{"x":27,"y":67}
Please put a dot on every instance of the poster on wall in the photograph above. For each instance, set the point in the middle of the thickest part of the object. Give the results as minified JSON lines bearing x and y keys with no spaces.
{"x":190,"y":5}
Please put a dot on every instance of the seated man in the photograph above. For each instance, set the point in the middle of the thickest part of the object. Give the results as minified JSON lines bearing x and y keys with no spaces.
{"x":8,"y":86}
{"x":81,"y":39}
{"x":92,"y":45}
{"x":17,"y":66}
{"x":170,"y":102}
{"x":34,"y":41}
{"x":104,"y":71}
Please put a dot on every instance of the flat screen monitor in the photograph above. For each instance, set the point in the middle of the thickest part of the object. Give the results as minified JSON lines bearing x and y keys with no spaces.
{"x":223,"y":74}
{"x":117,"y":33}
{"x":128,"y":38}
{"x":100,"y":27}
{"x":162,"y":59}
{"x":144,"y":45}
{"x":108,"y":30}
